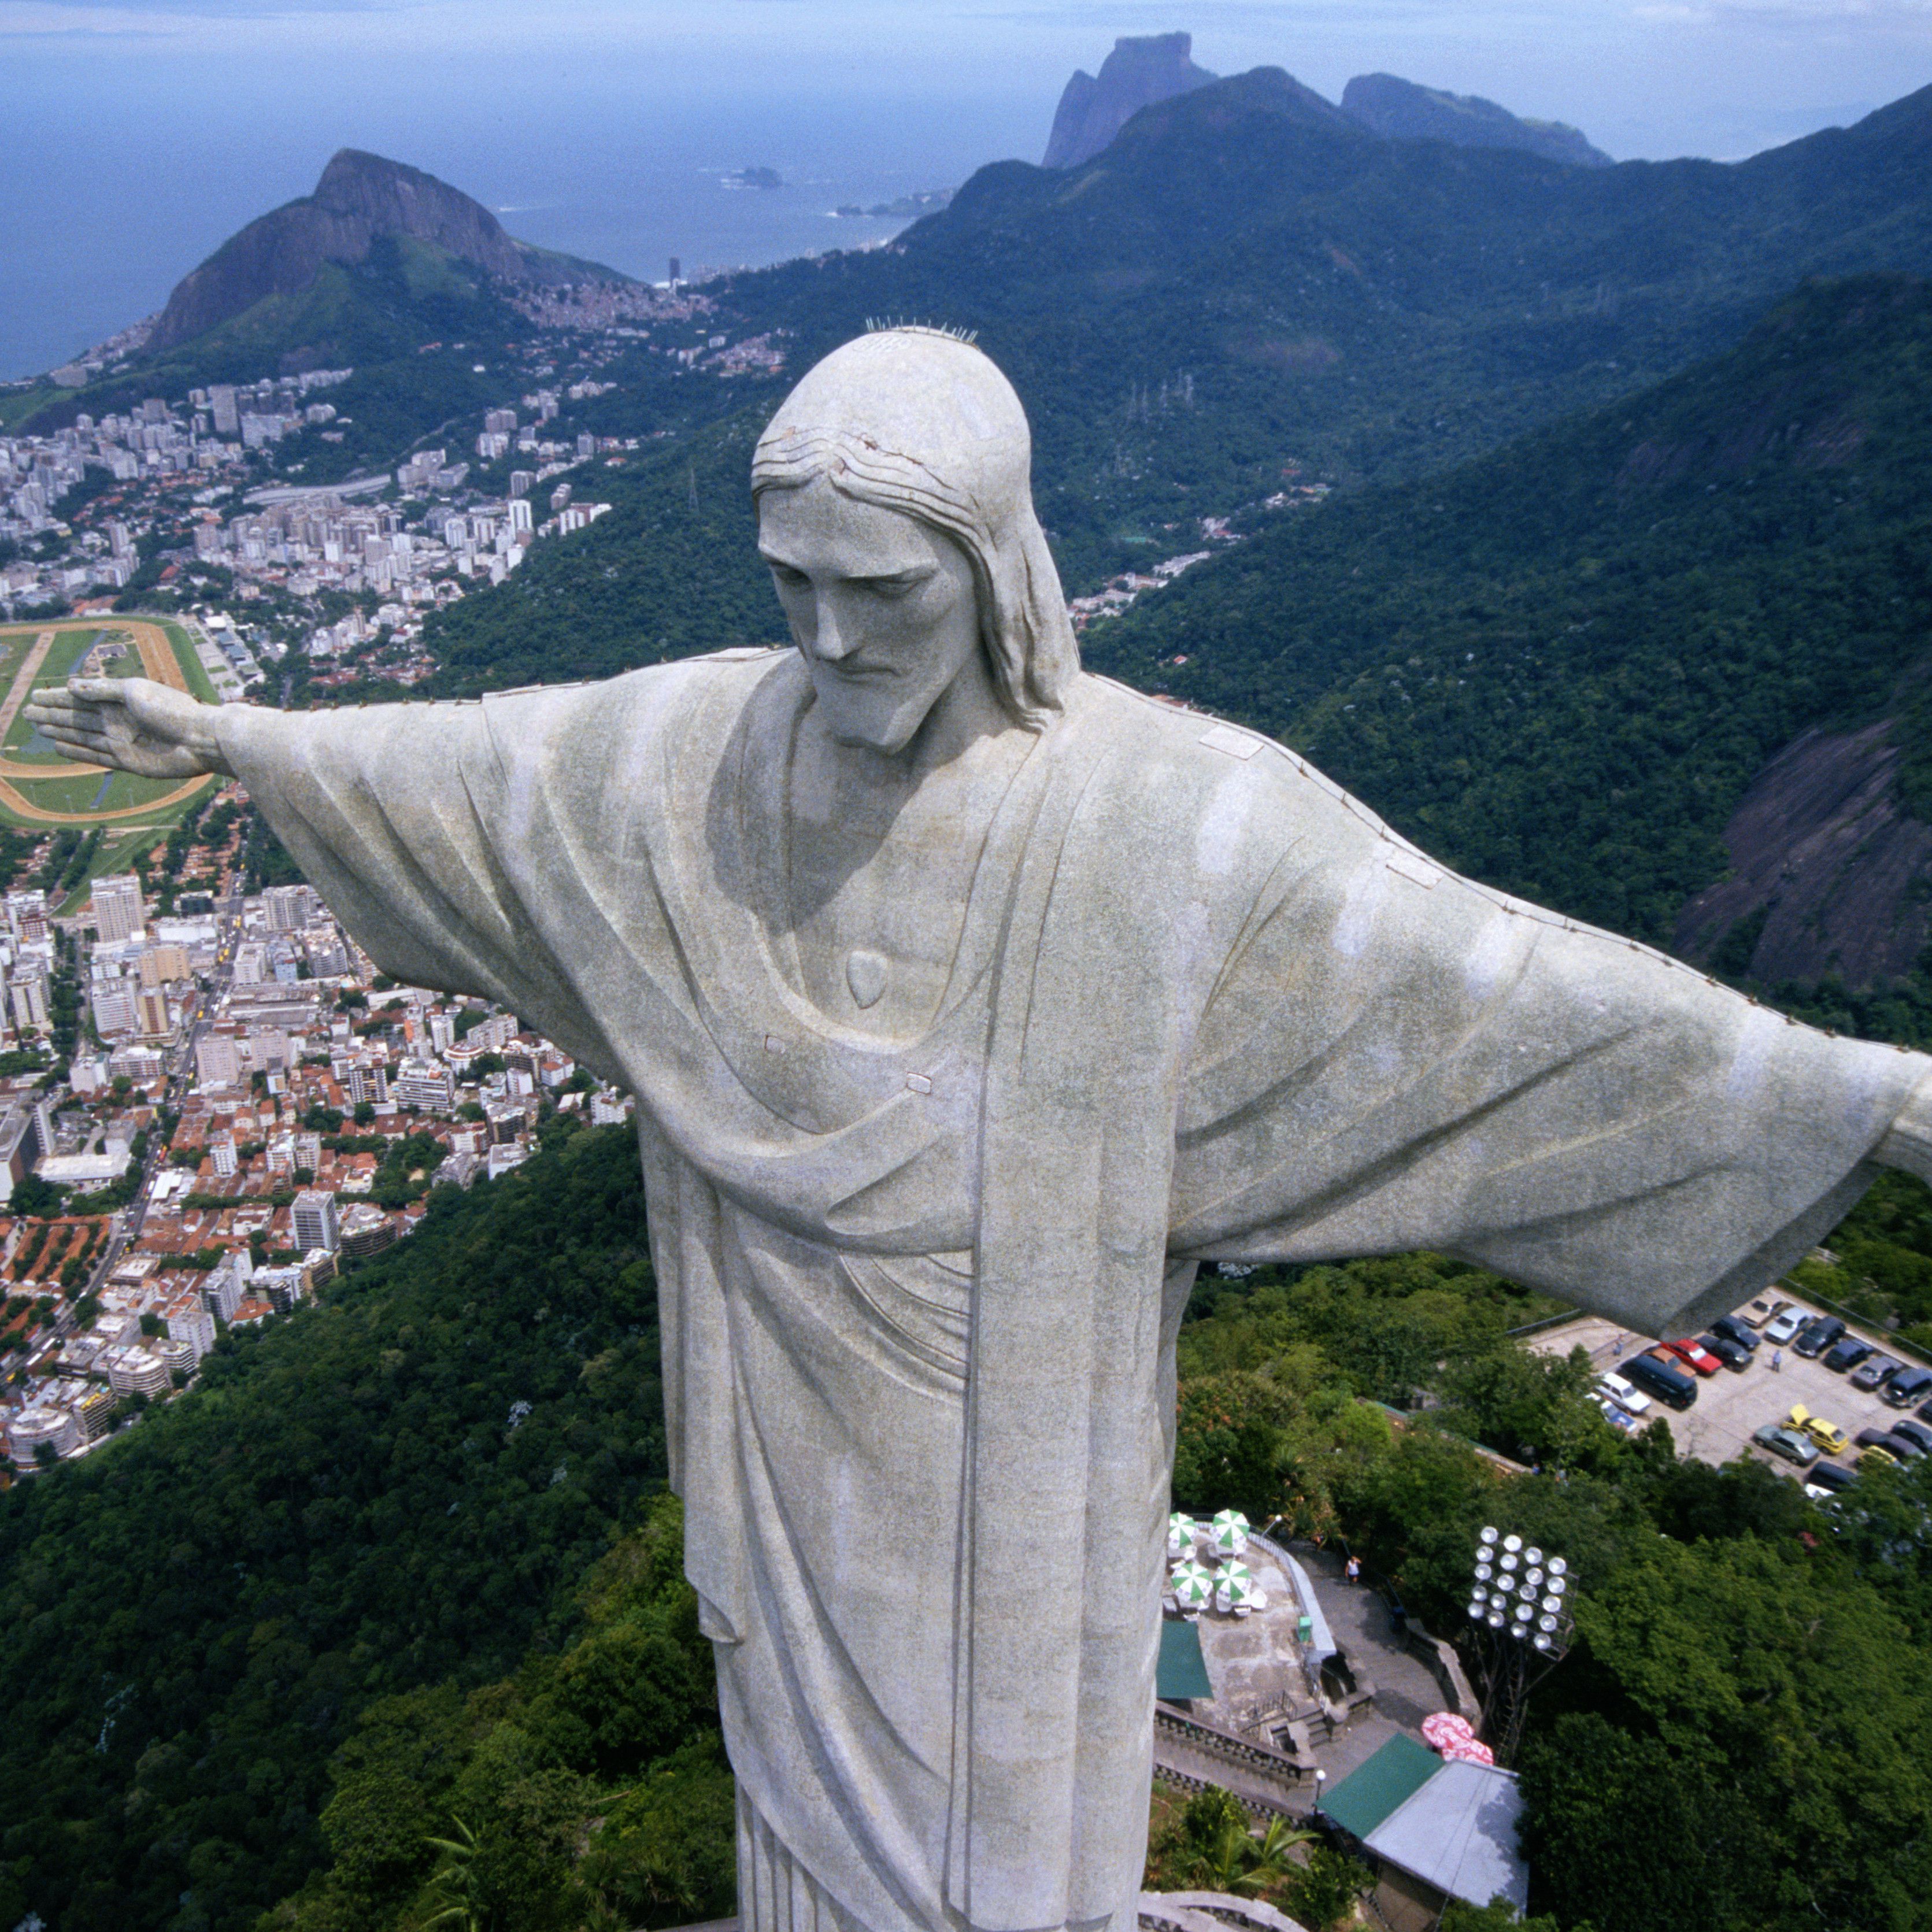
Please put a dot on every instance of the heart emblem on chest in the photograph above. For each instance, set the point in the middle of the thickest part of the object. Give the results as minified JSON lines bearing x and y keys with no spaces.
{"x":865,"y":974}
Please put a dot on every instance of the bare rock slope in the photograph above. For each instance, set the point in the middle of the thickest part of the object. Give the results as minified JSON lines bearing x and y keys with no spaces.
{"x":1139,"y":72}
{"x":1829,"y":874}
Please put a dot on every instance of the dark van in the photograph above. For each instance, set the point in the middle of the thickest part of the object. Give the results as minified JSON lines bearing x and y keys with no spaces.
{"x":1907,"y":1387}
{"x":1671,"y":1386}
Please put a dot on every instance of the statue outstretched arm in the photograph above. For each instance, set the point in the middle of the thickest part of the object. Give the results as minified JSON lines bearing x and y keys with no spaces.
{"x":132,"y":724}
{"x":1399,"y":1059}
{"x":1908,"y":1143}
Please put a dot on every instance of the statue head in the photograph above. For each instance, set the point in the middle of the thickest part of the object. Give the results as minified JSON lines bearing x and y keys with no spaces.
{"x":904,"y":461}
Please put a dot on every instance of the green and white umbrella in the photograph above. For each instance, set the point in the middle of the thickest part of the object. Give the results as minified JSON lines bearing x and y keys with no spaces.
{"x":1181,"y":1531}
{"x":1230,"y":1531}
{"x":1193,"y":1584}
{"x":1235,"y":1589}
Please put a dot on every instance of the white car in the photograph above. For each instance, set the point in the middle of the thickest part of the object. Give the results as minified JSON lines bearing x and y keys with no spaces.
{"x":1781,"y":1328}
{"x":1626,"y":1395}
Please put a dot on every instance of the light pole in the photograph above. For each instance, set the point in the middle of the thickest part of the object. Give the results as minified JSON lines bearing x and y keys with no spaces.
{"x":1321,"y":1779}
{"x":1520,"y":1628}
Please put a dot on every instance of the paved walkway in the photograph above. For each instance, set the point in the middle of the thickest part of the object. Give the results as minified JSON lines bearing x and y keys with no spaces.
{"x":1406,"y":1691}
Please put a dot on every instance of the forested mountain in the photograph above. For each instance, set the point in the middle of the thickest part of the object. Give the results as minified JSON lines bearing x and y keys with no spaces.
{"x":360,"y":199}
{"x":404,"y":1486}
{"x":1400,"y":111}
{"x":1560,"y":666}
{"x":1245,"y":283}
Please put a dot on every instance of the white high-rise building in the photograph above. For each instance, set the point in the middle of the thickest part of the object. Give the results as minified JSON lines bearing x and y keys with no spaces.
{"x":313,"y":1216}
{"x":216,"y":1061}
{"x":29,"y":996}
{"x":119,"y":914}
{"x":115,"y":1010}
{"x":287,"y":907}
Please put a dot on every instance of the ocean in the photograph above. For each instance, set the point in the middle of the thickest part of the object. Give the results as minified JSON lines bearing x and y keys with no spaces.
{"x":113,"y":186}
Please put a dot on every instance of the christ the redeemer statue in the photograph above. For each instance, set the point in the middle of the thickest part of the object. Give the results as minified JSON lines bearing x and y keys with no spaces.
{"x":970,"y":1002}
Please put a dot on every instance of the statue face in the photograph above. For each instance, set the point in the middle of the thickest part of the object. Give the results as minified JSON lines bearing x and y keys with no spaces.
{"x":883,"y":608}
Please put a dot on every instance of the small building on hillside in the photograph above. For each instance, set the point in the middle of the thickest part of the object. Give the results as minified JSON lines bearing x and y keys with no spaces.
{"x":1435,"y":1829}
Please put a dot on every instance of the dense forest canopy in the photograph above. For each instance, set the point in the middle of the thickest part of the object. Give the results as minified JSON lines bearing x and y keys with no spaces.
{"x":1557,"y":667}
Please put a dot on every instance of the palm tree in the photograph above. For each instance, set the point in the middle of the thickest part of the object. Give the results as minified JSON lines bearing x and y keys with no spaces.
{"x":458,"y":1880}
{"x":1267,"y":1860}
{"x":1233,"y":1858}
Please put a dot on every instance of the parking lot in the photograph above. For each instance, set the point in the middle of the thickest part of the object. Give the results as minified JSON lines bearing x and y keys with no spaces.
{"x":1733,"y":1402}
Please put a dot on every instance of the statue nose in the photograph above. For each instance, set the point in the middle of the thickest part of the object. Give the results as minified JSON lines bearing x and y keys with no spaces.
{"x":830,"y":642}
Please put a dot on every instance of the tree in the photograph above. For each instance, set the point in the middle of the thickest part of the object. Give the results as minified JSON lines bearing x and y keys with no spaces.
{"x":455,"y":1885}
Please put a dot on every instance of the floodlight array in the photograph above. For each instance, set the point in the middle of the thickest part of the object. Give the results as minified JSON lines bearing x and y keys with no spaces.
{"x":1520,"y":1592}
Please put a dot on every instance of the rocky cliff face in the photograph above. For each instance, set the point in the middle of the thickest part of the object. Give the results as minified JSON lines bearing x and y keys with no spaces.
{"x":1829,"y":874}
{"x":1139,"y":73}
{"x":359,"y":197}
{"x":1399,"y":110}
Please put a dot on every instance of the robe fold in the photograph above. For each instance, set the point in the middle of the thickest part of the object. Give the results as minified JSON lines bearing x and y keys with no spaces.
{"x":919,"y":1296}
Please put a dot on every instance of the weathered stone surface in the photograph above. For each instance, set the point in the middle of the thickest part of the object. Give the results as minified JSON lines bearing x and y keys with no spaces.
{"x":1154,"y":993}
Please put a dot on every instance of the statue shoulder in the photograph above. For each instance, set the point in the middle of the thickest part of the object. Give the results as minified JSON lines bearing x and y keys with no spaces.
{"x":536,"y":715}
{"x":1180,"y":761}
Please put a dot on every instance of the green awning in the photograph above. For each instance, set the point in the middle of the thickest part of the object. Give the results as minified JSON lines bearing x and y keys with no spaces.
{"x":1372,"y":1791}
{"x":1180,"y":1674}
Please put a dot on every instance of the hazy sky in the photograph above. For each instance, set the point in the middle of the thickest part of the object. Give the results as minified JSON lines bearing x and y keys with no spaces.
{"x":1642,"y":77}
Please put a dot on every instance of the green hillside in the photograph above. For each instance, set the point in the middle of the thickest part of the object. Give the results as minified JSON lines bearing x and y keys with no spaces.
{"x":405,"y":1486}
{"x":1559,"y":666}
{"x":1240,"y":287}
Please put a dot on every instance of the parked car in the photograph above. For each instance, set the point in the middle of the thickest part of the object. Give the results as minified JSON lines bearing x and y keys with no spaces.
{"x":1894,"y":1446}
{"x":1768,"y":1307}
{"x":1830,"y":1477}
{"x":1818,"y":1334}
{"x":1626,"y":1394}
{"x":1784,"y":1325}
{"x":1619,"y":1418}
{"x":1846,"y":1355}
{"x":1873,"y":1457}
{"x":1908,"y":1386}
{"x":1732,"y":1354}
{"x":1669,"y":1380}
{"x":1701,"y":1359}
{"x":1828,"y":1436}
{"x":1877,"y":1372}
{"x":1735,"y":1328}
{"x":1914,"y":1431}
{"x":1787,"y":1443}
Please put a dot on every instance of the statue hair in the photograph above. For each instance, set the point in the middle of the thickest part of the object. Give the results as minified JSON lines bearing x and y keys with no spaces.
{"x":969,"y":482}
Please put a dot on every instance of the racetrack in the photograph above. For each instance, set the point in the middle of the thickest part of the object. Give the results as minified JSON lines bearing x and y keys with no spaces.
{"x":157,"y":660}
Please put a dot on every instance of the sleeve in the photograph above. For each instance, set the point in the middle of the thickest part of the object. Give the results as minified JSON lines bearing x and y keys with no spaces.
{"x":386,"y":809}
{"x":1395,"y":1058}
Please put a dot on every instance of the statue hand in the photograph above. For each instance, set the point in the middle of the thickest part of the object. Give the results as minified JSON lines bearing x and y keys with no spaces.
{"x":1909,"y":1145}
{"x":130,"y":723}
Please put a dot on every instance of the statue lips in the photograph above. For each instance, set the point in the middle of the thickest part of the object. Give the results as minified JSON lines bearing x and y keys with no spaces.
{"x":865,"y":974}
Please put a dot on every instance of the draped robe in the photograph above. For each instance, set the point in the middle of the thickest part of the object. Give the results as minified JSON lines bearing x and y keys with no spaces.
{"x":919,"y":1296}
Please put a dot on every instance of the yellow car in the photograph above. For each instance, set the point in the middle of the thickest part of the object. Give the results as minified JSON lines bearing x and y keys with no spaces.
{"x":1876,"y":1458}
{"x":1828,"y":1436}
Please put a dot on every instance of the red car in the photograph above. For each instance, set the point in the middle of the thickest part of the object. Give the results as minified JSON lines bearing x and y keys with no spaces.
{"x":1701,"y":1359}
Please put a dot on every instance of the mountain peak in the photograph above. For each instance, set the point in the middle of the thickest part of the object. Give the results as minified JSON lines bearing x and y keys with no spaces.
{"x":1399,"y":110}
{"x":1142,"y":70}
{"x":360,"y":198}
